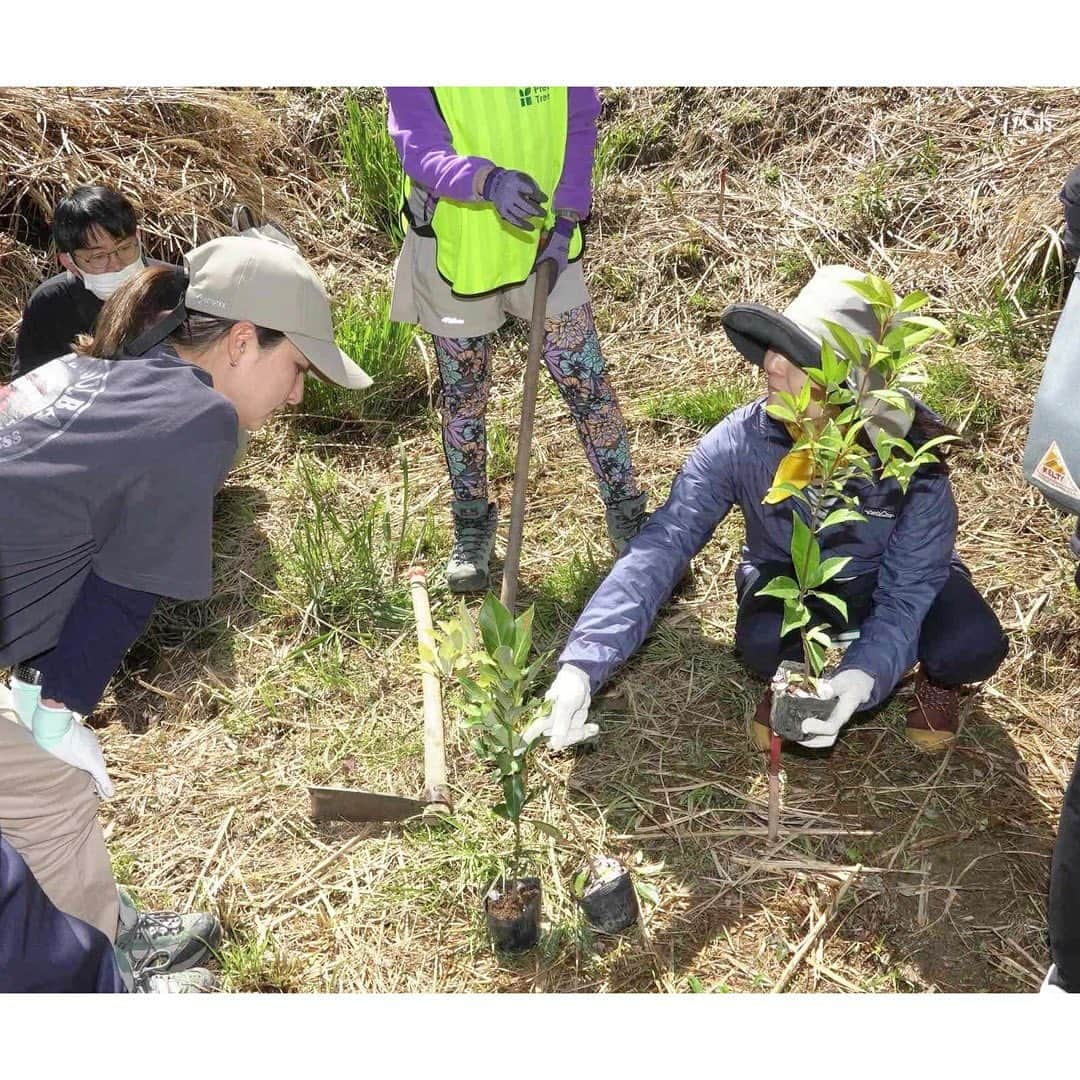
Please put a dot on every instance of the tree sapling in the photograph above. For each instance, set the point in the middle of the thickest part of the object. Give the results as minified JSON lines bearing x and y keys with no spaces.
{"x":493,"y":670}
{"x":830,"y":458}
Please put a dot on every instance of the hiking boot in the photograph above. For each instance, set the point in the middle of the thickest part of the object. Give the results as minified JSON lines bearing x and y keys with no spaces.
{"x":164,"y":940}
{"x":933,"y":721}
{"x":475,"y":523}
{"x":194,"y":981}
{"x":625,"y":519}
{"x":760,"y":728}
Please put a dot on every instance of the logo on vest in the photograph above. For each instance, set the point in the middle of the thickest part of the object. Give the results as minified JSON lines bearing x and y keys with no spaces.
{"x":43,"y":403}
{"x":533,"y":95}
{"x":873,"y":511}
{"x":1054,"y":473}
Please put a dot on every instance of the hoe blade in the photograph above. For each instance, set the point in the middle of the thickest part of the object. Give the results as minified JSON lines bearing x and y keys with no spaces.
{"x":345,"y":804}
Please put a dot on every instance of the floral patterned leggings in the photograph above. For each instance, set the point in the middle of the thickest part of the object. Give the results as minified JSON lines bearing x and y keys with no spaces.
{"x":572,"y":354}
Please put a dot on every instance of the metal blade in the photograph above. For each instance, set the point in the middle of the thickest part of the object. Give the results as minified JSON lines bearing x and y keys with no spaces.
{"x":345,"y":804}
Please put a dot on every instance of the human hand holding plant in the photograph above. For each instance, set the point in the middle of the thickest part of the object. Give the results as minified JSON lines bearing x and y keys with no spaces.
{"x":567,"y":722}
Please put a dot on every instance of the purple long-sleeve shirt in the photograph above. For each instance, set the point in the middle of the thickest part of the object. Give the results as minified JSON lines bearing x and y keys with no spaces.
{"x":428,"y":157}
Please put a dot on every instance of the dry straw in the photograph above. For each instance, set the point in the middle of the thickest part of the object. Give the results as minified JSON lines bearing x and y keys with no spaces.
{"x":953,"y":191}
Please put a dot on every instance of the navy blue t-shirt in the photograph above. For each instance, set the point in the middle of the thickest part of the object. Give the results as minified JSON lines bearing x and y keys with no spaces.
{"x":110,"y":466}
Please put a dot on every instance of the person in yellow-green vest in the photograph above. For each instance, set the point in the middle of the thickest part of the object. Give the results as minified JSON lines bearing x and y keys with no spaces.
{"x":479,"y":164}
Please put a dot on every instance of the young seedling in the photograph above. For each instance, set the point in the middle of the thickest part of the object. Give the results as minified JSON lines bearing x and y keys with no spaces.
{"x":831,"y":453}
{"x":490,"y":662}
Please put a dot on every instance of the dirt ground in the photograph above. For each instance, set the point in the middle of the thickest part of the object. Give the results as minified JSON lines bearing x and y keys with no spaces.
{"x":932,"y":871}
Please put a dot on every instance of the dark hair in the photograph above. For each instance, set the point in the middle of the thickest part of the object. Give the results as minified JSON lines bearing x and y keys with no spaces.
{"x":87,"y":207}
{"x":145,"y":300}
{"x":199,"y":330}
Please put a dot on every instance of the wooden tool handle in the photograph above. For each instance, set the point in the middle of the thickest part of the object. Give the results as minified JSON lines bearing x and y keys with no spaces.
{"x":541,"y":289}
{"x":436,"y":792}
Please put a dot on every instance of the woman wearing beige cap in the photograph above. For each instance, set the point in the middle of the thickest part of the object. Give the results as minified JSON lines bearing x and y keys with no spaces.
{"x":110,"y":459}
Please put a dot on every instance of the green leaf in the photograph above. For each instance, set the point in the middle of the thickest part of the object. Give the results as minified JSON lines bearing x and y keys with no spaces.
{"x":937,"y":441}
{"x":549,"y":830}
{"x":513,"y":794}
{"x":805,"y":553}
{"x":925,"y":321}
{"x":894,"y":398}
{"x":830,"y":568}
{"x":523,"y":633}
{"x":496,"y":625}
{"x":838,"y":517}
{"x":815,"y":656}
{"x":913,"y":301}
{"x":783,"y":587}
{"x":802,"y":399}
{"x":833,"y":601}
{"x":782,"y":413}
{"x":846,"y":340}
{"x":833,"y":368}
{"x":796,"y":614}
{"x":580,"y":881}
{"x":647,"y":891}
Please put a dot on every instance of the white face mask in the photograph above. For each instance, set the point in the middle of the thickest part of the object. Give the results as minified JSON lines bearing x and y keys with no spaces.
{"x":104,"y":285}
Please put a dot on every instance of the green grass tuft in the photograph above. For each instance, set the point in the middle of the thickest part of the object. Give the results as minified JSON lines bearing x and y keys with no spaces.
{"x":345,"y":565}
{"x":373,"y":168}
{"x":385,"y":350}
{"x":698,"y":409}
{"x":866,"y":207}
{"x":953,"y":394}
{"x":254,"y":964}
{"x":628,"y":142}
{"x":794,"y":268}
{"x":502,"y":450}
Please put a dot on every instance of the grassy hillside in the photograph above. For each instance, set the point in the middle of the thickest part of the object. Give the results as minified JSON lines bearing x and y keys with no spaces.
{"x":302,"y":667}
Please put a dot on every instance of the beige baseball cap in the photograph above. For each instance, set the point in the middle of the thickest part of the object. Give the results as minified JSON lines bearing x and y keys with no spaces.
{"x":260,"y":277}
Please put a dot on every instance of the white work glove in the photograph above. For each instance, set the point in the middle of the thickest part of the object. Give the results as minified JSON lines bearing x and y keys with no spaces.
{"x":1052,"y":982}
{"x":566,"y":723}
{"x":851,"y":688}
{"x":78,"y":747}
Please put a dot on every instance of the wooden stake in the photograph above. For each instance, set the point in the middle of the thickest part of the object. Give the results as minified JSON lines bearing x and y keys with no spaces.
{"x":774,"y":785}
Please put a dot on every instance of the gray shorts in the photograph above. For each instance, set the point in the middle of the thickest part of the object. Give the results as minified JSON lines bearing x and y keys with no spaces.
{"x":422,"y":296}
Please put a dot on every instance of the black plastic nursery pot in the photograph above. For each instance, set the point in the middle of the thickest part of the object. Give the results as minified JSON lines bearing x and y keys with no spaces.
{"x":512,"y":909}
{"x":609,"y":900}
{"x":792,"y":703}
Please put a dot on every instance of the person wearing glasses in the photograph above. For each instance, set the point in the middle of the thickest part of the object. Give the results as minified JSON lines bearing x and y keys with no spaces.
{"x":96,"y":235}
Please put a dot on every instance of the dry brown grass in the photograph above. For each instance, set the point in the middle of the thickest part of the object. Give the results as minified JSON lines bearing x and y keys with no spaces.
{"x":922,"y":186}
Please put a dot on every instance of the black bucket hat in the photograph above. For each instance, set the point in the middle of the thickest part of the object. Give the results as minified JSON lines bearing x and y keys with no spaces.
{"x":798,"y":332}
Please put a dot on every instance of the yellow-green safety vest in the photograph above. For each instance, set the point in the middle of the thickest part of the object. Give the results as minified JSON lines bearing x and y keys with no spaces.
{"x":517,"y":127}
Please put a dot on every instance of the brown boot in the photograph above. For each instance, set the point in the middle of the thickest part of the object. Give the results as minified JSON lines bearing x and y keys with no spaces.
{"x":760,"y":731}
{"x":933,"y":721}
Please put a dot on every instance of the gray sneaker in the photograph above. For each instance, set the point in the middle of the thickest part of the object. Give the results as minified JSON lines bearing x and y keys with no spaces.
{"x":195,"y":981}
{"x":164,"y":940}
{"x":475,"y":524}
{"x":625,"y":519}
{"x":150,"y":976}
